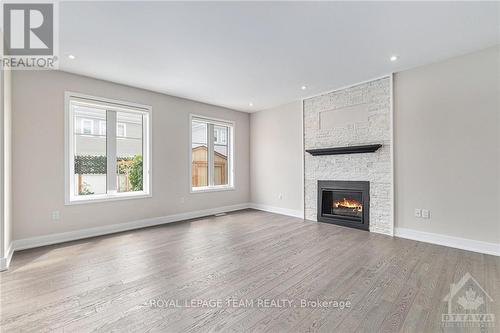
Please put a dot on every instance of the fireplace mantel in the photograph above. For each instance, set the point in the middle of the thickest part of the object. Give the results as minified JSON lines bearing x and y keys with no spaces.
{"x":344,"y":150}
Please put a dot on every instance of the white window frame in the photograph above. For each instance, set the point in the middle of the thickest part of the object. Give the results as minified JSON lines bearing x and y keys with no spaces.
{"x":111,"y":106}
{"x":230,"y":144}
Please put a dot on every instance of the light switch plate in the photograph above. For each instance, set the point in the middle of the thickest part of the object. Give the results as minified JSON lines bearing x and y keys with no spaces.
{"x":418,"y":212}
{"x":426,"y":213}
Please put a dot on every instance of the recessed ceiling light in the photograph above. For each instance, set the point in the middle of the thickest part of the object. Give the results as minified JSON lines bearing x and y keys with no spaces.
{"x":250,"y":104}
{"x":394,"y":58}
{"x":303,"y":87}
{"x":72,"y":57}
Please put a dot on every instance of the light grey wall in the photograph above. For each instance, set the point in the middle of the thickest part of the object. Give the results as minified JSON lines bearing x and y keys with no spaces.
{"x":276,"y":157}
{"x":2,"y":222}
{"x":447,"y":146}
{"x":38,"y":156}
{"x":6,"y":161}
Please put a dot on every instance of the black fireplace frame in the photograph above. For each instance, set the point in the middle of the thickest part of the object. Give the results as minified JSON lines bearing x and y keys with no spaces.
{"x":362,"y":187}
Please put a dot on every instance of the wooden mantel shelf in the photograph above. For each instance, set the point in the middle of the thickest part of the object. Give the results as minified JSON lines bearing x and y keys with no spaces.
{"x":344,"y":150}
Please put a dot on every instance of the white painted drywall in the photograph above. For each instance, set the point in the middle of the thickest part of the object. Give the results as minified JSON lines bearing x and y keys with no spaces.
{"x":7,"y":162}
{"x":276,"y":157}
{"x":2,"y":226}
{"x":38,"y":156}
{"x":231,"y":53}
{"x":447,"y":146}
{"x":5,"y":166}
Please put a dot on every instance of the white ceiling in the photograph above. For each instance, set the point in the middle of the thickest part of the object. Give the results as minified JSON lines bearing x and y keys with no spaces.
{"x":234,"y":53}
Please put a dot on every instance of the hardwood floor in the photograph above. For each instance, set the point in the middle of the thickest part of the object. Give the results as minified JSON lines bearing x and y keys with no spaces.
{"x":129,"y":281}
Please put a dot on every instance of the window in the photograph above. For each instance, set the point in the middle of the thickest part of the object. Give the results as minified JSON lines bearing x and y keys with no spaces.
{"x":113,"y":164}
{"x":211,"y":154}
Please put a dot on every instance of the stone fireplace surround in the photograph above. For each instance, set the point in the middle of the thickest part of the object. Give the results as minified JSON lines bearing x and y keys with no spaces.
{"x":352,"y":116}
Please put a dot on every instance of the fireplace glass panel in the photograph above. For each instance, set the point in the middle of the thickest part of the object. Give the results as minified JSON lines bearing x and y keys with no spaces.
{"x":347,"y":205}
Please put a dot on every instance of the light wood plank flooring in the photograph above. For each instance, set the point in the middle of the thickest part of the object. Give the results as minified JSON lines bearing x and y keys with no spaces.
{"x":111,"y":283}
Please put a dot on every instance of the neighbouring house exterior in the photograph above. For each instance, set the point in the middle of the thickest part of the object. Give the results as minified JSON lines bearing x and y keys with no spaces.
{"x":90,"y":147}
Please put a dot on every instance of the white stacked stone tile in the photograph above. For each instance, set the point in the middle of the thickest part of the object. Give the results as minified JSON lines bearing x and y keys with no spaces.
{"x":374,"y":167}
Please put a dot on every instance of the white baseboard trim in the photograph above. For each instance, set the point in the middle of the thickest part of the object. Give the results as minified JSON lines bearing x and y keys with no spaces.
{"x":5,"y":261}
{"x":28,"y":243}
{"x":278,"y":210}
{"x":456,"y":242}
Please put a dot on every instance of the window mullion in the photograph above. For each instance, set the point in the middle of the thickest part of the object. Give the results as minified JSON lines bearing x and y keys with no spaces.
{"x":210,"y":130}
{"x":111,"y":177}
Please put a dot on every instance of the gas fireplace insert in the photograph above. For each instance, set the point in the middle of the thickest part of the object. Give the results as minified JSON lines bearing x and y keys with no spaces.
{"x":345,"y":203}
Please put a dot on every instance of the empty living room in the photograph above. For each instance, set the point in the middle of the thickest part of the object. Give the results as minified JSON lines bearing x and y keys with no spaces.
{"x":250,"y":166}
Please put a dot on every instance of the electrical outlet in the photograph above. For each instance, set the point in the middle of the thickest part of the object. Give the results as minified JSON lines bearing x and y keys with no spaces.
{"x":280,"y":196}
{"x":426,"y":214}
{"x":56,"y":216}
{"x":418,"y":212}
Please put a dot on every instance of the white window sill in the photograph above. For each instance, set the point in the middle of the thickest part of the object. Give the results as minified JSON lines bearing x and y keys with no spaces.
{"x":87,"y":199}
{"x":211,"y":189}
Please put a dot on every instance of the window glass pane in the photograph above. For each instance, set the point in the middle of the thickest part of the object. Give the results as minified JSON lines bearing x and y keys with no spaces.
{"x":199,"y":151}
{"x":89,"y":151}
{"x":221,"y":155}
{"x":129,"y":146}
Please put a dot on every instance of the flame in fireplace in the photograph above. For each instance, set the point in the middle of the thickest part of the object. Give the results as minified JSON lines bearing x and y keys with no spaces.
{"x":346,"y":203}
